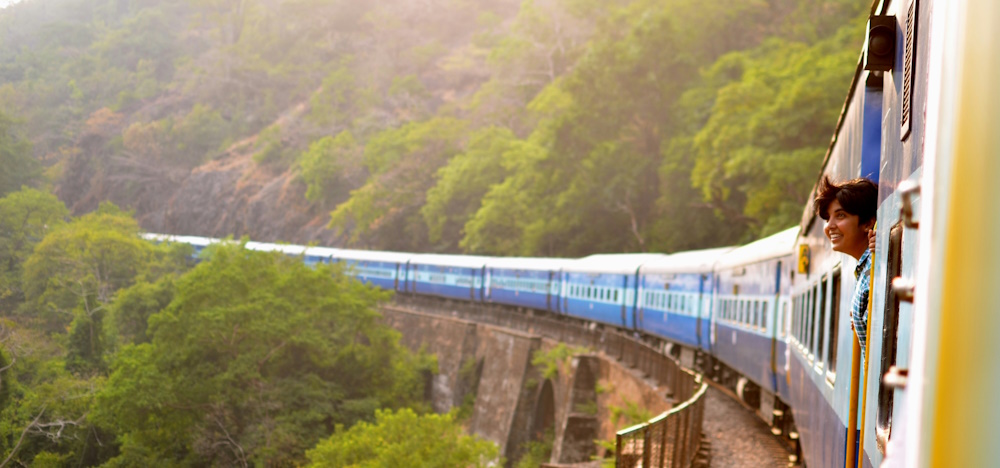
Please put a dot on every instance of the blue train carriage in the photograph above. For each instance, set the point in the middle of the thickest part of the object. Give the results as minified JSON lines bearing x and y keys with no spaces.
{"x":749,"y":316}
{"x":386,"y":270}
{"x":603,"y":288}
{"x":675,"y":299}
{"x":451,"y":276}
{"x":524,"y":282}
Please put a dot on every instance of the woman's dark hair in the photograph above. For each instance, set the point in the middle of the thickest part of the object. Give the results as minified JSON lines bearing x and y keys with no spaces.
{"x":856,"y":196}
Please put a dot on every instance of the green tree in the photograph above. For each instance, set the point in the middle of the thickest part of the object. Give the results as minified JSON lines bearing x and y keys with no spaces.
{"x":76,"y":269}
{"x":331,"y":168}
{"x":462,"y":184}
{"x":133,"y":306}
{"x":19,"y":167}
{"x":404,"y":438}
{"x":385,"y":211}
{"x":26,"y":217}
{"x":255,"y":359}
{"x":768,"y":130}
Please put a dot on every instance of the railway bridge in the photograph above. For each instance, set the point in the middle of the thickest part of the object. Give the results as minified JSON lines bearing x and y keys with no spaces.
{"x":527,"y":378}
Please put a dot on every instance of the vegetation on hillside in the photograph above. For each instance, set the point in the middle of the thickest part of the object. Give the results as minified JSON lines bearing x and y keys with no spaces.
{"x":529,"y":127}
{"x":117,"y":351}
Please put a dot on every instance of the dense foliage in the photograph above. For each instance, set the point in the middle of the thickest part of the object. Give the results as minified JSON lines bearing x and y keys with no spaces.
{"x":537,"y":127}
{"x":116,"y":351}
{"x":404,"y":438}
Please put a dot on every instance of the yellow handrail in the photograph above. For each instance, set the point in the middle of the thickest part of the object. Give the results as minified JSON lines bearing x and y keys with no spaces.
{"x":852,"y":417}
{"x":868,"y":351}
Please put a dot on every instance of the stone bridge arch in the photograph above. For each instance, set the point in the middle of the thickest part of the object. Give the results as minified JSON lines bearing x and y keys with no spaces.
{"x":512,"y":398}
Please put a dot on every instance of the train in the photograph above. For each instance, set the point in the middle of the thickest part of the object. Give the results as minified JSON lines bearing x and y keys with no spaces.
{"x":770,"y":319}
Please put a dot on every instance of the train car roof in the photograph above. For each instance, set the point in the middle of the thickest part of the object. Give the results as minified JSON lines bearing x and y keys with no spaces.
{"x":287,"y":249}
{"x":325,"y":252}
{"x":528,"y":263}
{"x":461,"y":261}
{"x":192,"y":240}
{"x":611,"y":263}
{"x":693,"y":261}
{"x":773,"y":246}
{"x":372,"y":255}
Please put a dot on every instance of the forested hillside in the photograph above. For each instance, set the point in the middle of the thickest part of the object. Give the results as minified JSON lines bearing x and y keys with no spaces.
{"x":534,"y":127}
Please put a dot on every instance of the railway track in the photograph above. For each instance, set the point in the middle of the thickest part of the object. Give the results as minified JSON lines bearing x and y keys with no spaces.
{"x":737,"y":437}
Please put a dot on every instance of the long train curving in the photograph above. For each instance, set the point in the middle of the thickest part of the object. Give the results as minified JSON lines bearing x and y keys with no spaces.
{"x":770,"y":318}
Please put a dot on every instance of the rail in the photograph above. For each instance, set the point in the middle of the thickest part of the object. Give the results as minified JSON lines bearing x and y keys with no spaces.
{"x":671,"y":439}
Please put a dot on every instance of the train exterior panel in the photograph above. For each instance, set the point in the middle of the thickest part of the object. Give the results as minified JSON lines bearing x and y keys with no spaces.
{"x":450,"y":276}
{"x":603,"y":288}
{"x":386,"y":270}
{"x":675,"y":297}
{"x":747,"y":297}
{"x":524,"y":282}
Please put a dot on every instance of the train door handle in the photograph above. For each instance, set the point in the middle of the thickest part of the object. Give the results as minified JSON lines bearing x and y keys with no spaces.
{"x":895,"y":377}
{"x":903,"y":288}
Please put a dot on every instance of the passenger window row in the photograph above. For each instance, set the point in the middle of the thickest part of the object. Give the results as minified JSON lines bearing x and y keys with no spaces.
{"x":524,"y":285}
{"x":673,"y":302}
{"x":748,"y":312}
{"x":815,"y":319}
{"x":593,"y":292}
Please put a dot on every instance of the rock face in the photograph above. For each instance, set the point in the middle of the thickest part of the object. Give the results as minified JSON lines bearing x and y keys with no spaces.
{"x":234,"y":196}
{"x":231,"y":195}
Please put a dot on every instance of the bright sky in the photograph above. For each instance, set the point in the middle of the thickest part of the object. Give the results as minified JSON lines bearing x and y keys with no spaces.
{"x":4,"y":3}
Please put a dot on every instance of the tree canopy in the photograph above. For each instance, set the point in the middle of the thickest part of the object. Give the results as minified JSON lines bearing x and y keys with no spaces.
{"x":403,"y":438}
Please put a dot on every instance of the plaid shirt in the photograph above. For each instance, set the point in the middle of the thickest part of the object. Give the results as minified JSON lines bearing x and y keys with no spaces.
{"x":859,"y":304}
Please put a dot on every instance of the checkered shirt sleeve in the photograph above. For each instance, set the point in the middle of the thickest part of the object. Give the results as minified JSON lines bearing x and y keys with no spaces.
{"x":859,"y":303}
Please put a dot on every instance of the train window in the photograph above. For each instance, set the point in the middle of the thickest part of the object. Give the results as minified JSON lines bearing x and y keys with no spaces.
{"x":784,"y":319}
{"x":589,"y":291}
{"x":811,"y":321}
{"x":831,"y":349}
{"x":755,"y":314}
{"x":795,"y":303}
{"x":616,"y":295}
{"x":894,"y":264}
{"x":821,"y":307}
{"x":763,"y":315}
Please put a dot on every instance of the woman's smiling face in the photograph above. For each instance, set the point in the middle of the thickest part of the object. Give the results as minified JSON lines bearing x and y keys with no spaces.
{"x":845,"y":232}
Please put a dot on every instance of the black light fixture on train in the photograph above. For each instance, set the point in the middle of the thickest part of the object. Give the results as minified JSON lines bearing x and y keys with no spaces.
{"x":880,"y":43}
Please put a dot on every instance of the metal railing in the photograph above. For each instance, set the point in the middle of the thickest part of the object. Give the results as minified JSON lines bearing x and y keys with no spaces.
{"x":671,"y":439}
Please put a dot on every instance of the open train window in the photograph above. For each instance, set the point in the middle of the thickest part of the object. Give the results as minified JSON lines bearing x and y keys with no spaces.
{"x":894,"y":264}
{"x":831,"y":350}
